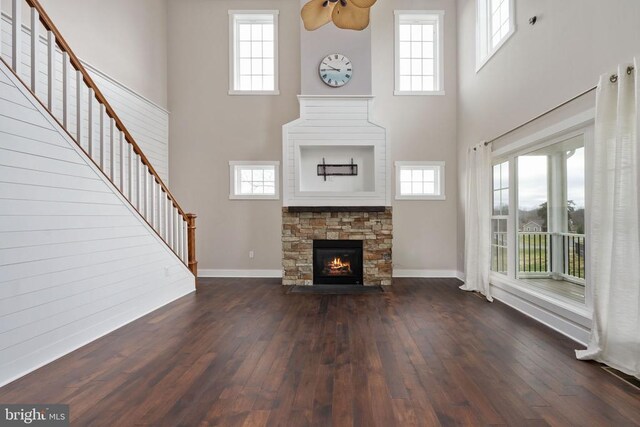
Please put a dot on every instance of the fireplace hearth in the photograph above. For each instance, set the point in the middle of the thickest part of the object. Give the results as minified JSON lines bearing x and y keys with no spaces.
{"x":337,"y":262}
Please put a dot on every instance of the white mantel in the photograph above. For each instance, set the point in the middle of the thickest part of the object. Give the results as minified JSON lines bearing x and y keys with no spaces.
{"x":337,"y":128}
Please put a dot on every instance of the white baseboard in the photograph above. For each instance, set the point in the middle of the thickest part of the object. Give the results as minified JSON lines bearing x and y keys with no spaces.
{"x":571,"y":325}
{"x":240,"y":273}
{"x":399,"y":273}
{"x":278,"y":273}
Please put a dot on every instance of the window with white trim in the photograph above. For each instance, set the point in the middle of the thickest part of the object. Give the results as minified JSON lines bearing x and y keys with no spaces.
{"x":495,"y":24}
{"x":539,"y":215}
{"x":500,"y":218}
{"x":420,"y":181}
{"x":418,"y":52}
{"x":254,"y":180}
{"x":253,"y":52}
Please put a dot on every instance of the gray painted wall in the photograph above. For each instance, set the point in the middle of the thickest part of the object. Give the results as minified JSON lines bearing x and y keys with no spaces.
{"x":123,"y":38}
{"x":419,"y":128}
{"x":573,"y":42}
{"x":208,"y":128}
{"x":315,"y":45}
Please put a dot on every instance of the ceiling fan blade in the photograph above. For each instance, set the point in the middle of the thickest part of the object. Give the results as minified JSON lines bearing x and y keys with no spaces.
{"x":363,"y":3}
{"x":315,"y":14}
{"x":350,"y":17}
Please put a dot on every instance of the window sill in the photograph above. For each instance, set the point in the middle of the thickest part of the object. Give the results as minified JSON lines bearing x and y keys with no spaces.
{"x":481,"y":63}
{"x":418,"y":93}
{"x":254,"y":92}
{"x":568,"y":308}
{"x":417,"y":198}
{"x":235,"y":197}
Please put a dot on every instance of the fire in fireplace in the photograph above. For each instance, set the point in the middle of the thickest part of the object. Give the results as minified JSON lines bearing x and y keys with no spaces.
{"x":336,"y":267}
{"x":337,"y":262}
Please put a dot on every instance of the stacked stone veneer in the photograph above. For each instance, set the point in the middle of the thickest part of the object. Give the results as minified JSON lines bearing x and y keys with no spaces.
{"x":300,"y":229}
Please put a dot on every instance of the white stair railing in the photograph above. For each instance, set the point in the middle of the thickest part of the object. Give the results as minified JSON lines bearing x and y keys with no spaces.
{"x":103,"y":136}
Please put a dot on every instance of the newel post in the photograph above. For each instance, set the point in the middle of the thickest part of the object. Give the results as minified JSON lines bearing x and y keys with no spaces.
{"x":191,"y":237}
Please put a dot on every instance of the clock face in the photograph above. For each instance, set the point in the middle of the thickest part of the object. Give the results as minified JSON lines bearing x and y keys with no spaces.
{"x":335,"y":70}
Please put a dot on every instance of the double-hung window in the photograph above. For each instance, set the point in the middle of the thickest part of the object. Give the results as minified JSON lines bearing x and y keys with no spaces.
{"x":253,"y":52}
{"x":500,"y":218}
{"x":418,"y":52}
{"x":539,"y":216}
{"x":495,"y":24}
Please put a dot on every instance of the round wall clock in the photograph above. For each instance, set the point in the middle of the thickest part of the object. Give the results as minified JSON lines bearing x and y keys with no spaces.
{"x":335,"y":70}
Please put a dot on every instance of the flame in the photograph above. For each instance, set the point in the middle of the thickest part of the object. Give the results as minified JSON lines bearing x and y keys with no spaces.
{"x":336,"y":265}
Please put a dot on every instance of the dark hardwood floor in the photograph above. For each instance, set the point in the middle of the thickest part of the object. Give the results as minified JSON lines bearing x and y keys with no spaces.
{"x":242,"y":352}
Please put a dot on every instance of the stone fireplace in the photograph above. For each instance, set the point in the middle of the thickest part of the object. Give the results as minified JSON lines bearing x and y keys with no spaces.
{"x":336,"y":191}
{"x":326,"y":227}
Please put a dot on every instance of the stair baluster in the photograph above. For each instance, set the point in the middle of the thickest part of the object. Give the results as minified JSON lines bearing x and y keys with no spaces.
{"x":16,"y":36}
{"x":135,"y":178}
{"x":35,"y":49}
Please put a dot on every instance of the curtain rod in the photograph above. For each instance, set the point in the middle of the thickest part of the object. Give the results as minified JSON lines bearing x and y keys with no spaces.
{"x":612,"y":79}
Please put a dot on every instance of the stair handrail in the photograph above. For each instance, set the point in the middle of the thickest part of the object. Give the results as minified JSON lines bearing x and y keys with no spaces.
{"x":75,"y":62}
{"x":187,"y":251}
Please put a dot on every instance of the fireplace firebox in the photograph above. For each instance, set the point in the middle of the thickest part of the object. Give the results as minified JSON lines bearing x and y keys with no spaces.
{"x":337,"y":262}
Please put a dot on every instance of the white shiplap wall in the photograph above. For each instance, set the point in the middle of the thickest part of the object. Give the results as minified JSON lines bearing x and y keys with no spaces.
{"x":146,"y":121}
{"x":334,"y":121}
{"x":76,"y":260}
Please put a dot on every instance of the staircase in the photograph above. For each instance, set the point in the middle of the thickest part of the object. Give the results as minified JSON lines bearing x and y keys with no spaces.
{"x":91,"y":238}
{"x":110,"y":146}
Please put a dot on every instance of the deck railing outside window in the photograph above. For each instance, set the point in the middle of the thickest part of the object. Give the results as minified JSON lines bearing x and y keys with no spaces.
{"x":574,"y":250}
{"x":535,"y":254}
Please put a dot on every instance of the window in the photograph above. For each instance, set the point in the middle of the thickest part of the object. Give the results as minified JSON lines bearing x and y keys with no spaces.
{"x":495,"y":24}
{"x":253,"y":52}
{"x":551,"y":214}
{"x":499,"y":22}
{"x":420,"y":181}
{"x":254,"y":180}
{"x":538,"y":220}
{"x":500,"y":218}
{"x":419,"y":66}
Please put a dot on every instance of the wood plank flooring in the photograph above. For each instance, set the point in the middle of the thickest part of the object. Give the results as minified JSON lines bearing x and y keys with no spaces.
{"x":242,"y":352}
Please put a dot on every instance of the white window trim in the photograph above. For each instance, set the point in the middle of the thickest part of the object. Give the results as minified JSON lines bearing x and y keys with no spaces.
{"x":441,"y":180}
{"x":580,"y":124}
{"x":232,"y":53}
{"x":508,"y":217}
{"x":483,"y":36}
{"x":439,"y":56}
{"x":232,"y":180}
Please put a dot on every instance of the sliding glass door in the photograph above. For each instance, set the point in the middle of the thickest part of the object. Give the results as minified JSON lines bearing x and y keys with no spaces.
{"x":541,"y":242}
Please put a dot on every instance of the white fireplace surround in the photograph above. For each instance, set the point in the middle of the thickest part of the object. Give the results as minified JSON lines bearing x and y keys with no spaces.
{"x":336,"y":129}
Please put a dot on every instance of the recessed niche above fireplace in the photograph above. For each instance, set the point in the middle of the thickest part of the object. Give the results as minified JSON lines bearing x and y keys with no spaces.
{"x":336,"y":129}
{"x":337,"y":262}
{"x":312,"y":155}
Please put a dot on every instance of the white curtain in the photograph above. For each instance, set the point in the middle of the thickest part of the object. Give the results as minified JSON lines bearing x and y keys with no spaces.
{"x":477,"y":242}
{"x":614,"y":231}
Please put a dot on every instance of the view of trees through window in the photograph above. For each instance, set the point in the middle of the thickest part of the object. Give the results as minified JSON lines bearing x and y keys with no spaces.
{"x":551,"y":212}
{"x":549,"y":225}
{"x":533,"y":187}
